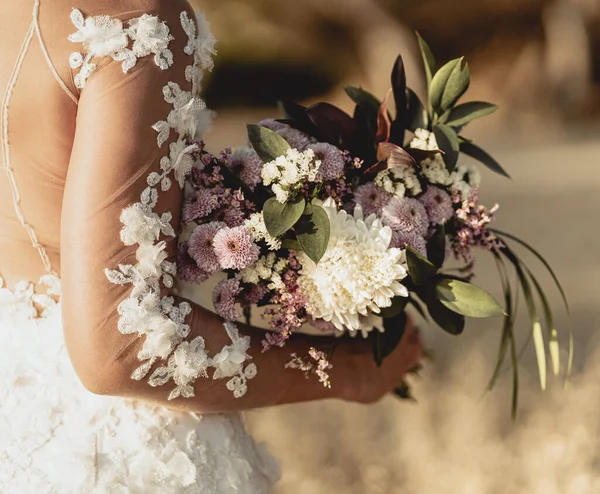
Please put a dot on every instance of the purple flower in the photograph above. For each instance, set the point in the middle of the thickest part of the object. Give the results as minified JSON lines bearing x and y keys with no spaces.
{"x":295,"y":138}
{"x":247,"y":165}
{"x":235,"y":248}
{"x":332,"y":160}
{"x":199,"y":205}
{"x":230,"y":214}
{"x":187,"y":269}
{"x":224,"y":299}
{"x":272,"y":124}
{"x":202,"y":246}
{"x":372,"y":198}
{"x":255,"y":294}
{"x":406,"y":215}
{"x":401,"y":239}
{"x":438,"y":204}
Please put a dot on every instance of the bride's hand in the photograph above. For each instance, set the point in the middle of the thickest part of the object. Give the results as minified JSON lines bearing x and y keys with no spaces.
{"x":359,"y":379}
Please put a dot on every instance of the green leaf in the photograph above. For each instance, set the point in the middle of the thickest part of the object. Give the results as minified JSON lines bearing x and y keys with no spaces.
{"x":417,"y":114}
{"x":436,"y":247}
{"x":538,"y":337}
{"x":421,"y":269}
{"x":292,"y":244}
{"x":480,"y":155}
{"x":449,"y":321}
{"x":457,"y":85}
{"x":268,"y":145}
{"x":428,"y":59}
{"x":448,"y":142}
{"x":398,"y":306}
{"x":315,"y":238}
{"x":465,"y":113}
{"x":383,"y":344}
{"x":362,"y":97}
{"x":418,"y":307}
{"x":467,"y":299}
{"x":279,"y":218}
{"x":558,"y":285}
{"x":438,"y":84}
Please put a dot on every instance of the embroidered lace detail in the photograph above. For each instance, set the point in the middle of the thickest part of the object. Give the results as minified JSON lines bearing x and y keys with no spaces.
{"x":22,"y":302}
{"x":145,"y":312}
{"x":104,"y":36}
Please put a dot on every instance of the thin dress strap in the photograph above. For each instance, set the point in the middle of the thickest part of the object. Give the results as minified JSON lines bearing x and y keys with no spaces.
{"x":6,"y":142}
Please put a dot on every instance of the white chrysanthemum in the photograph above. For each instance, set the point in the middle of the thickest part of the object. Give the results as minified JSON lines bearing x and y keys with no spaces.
{"x":399,"y":181}
{"x":290,"y":171}
{"x":258,"y":230}
{"x":359,"y":273}
{"x":465,"y":178}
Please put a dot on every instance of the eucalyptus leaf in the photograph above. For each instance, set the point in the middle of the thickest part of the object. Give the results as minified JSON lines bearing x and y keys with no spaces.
{"x":449,"y":321}
{"x":457,"y":85}
{"x":417,"y":114}
{"x":292,"y":244}
{"x":315,"y":238}
{"x":448,"y":142}
{"x":467,"y":299}
{"x":279,"y":218}
{"x":465,"y":113}
{"x":438,"y":84}
{"x":385,"y":343}
{"x":436,"y":247}
{"x":480,"y":155}
{"x":421,"y":269}
{"x":398,"y":306}
{"x":428,"y":59}
{"x":268,"y":145}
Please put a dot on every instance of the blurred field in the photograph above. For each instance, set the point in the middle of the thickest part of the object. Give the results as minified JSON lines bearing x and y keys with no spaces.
{"x":540,"y":61}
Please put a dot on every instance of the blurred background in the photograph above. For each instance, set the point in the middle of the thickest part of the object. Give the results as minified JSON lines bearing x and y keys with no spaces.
{"x":540,"y":61}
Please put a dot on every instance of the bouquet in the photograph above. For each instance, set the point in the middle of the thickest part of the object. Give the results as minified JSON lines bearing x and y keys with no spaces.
{"x":341,"y":222}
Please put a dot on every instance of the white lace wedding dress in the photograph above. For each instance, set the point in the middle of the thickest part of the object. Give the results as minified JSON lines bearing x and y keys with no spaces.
{"x":55,"y":435}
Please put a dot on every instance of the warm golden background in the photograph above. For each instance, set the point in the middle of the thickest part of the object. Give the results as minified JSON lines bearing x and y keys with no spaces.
{"x":540,"y":61}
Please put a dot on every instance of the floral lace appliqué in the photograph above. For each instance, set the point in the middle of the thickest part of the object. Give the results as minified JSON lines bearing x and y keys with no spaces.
{"x":146,"y":312}
{"x":104,"y":36}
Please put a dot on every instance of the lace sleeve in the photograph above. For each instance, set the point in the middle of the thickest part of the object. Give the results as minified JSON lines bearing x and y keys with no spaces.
{"x":139,"y":117}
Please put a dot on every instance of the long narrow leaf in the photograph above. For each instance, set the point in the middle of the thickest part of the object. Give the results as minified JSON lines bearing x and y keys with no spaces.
{"x":560,"y":289}
{"x":538,"y":337}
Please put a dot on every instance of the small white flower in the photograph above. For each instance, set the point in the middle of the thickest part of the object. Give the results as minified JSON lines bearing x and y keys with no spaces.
{"x":434,"y":169}
{"x":465,"y":178}
{"x":151,"y":36}
{"x":289,"y":172}
{"x":100,"y":36}
{"x":258,"y":230}
{"x":159,"y":340}
{"x":150,"y":258}
{"x":399,"y":181}
{"x":424,"y":140}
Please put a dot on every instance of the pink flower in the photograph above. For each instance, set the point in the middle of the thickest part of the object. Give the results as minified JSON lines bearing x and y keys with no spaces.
{"x":230,"y":214}
{"x":224,"y":299}
{"x":406,"y":215}
{"x":401,"y":239}
{"x":245,"y":163}
{"x":187,"y":269}
{"x":202,"y":246}
{"x":438,"y":204}
{"x":332,"y":160}
{"x":255,"y":294}
{"x":200,"y":205}
{"x":235,"y":248}
{"x":372,"y":198}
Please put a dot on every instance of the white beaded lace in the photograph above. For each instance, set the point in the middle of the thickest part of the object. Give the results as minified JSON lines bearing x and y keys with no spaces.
{"x":145,"y":312}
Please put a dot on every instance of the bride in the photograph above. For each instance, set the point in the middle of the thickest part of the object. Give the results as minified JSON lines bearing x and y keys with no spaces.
{"x":109,"y":381}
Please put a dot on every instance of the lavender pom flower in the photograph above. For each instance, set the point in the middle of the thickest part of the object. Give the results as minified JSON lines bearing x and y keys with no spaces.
{"x":224,"y":299}
{"x":438,"y":204}
{"x":401,"y":240}
{"x":406,"y":215}
{"x":235,"y":248}
{"x":295,"y":138}
{"x":202,"y":246}
{"x":332,"y":160}
{"x":201,"y":204}
{"x":247,"y":165}
{"x":187,"y":269}
{"x":372,"y":198}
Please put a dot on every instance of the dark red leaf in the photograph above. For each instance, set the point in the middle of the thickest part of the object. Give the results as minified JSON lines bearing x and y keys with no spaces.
{"x":384,"y":125}
{"x":334,"y":125}
{"x":400,"y":97}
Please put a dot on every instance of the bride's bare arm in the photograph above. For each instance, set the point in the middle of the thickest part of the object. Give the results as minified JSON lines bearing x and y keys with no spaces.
{"x":115,"y":154}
